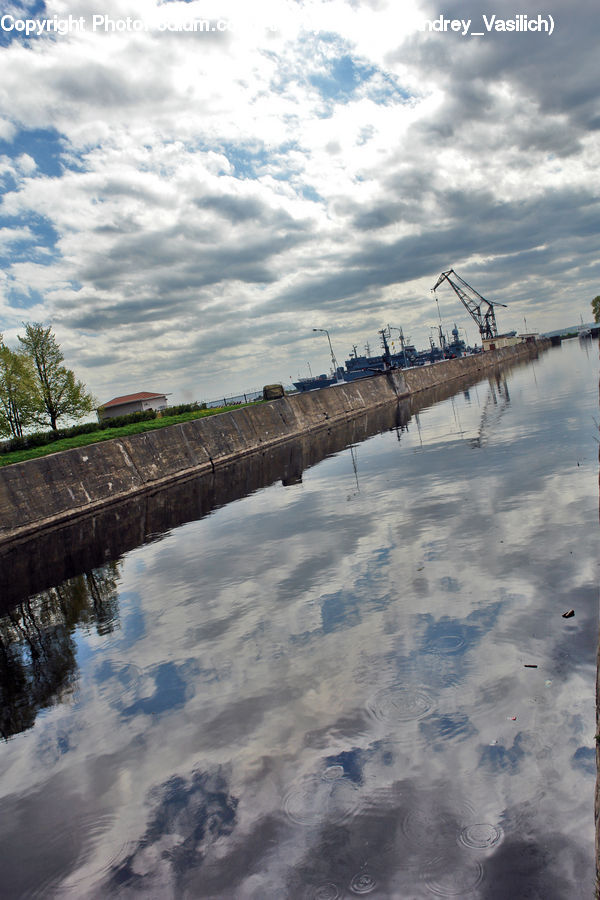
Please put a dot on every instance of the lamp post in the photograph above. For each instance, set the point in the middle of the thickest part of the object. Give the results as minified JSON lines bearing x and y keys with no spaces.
{"x":333,"y":359}
{"x":401,"y":333}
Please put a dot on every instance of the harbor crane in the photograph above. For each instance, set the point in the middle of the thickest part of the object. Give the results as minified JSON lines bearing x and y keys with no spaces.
{"x":478,"y":307}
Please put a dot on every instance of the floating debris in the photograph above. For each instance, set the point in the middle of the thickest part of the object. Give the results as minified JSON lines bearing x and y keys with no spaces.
{"x":569,"y":614}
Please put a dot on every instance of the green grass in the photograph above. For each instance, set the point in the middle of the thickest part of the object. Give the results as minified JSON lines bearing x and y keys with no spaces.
{"x":83,"y":440}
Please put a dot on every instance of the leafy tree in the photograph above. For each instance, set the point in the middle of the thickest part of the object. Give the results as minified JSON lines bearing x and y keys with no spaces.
{"x":596,"y":308}
{"x":19,"y":395}
{"x":61,"y":395}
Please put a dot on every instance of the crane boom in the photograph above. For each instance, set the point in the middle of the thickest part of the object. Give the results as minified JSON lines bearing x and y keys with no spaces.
{"x":472,"y":301}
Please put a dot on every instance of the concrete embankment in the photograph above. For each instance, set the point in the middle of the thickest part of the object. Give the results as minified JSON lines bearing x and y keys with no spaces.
{"x":43,"y":492}
{"x":82,"y":543}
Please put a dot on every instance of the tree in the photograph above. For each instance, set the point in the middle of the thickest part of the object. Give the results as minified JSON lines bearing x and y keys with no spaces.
{"x":19,"y":395}
{"x":61,"y":395}
{"x":596,"y":308}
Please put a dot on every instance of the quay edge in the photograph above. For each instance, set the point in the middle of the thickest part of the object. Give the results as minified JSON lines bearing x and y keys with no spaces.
{"x":42,"y":493}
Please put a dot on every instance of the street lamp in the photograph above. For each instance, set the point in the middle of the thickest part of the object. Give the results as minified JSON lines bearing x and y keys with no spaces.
{"x":333,"y":359}
{"x":395,"y":328}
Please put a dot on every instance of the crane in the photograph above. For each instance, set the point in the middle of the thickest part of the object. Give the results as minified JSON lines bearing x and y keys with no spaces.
{"x":472,"y":300}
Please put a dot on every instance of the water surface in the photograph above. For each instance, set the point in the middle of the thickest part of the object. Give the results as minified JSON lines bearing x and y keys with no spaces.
{"x":357,"y":680}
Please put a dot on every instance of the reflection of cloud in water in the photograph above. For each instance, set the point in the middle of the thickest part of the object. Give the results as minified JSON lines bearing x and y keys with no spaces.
{"x":350,"y":762}
{"x":441,"y":657}
{"x":400,"y":703}
{"x":498,"y":758}
{"x":266,"y":660}
{"x":169,"y":693}
{"x":584,"y":759}
{"x":76,"y":818}
{"x":548,"y":864}
{"x":453,"y":635}
{"x":438,"y":730}
{"x":189,"y":817}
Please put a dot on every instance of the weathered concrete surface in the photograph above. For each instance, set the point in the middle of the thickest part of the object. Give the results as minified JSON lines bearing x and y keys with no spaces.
{"x":43,"y":492}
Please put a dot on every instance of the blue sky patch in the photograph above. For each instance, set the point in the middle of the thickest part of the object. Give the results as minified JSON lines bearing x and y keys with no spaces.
{"x":343,"y":78}
{"x":34,"y":10}
{"x":43,"y":234}
{"x":309,"y":193}
{"x":44,"y":145}
{"x":246,"y":162}
{"x":20,"y":300}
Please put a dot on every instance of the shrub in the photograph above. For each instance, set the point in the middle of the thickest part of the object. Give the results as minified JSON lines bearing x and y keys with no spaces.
{"x":41,"y":438}
{"x":129,"y":419}
{"x":182,"y":408}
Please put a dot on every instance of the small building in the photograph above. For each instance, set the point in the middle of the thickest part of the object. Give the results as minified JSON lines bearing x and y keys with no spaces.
{"x":530,"y":337}
{"x":500,"y":341}
{"x":131,"y":403}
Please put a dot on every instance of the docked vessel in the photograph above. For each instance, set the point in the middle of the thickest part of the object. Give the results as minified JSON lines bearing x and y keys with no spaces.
{"x":364,"y":365}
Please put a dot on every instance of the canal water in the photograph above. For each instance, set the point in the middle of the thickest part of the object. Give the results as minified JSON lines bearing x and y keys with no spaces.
{"x":355,"y":680}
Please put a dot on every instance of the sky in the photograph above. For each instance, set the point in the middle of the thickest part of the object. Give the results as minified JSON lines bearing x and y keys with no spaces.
{"x":189,"y":189}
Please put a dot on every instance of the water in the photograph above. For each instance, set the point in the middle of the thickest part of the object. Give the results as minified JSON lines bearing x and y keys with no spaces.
{"x":357,"y":681}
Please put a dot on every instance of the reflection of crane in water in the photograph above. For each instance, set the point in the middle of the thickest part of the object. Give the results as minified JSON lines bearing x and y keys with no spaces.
{"x":402,"y":417}
{"x":354,"y":493}
{"x":496,"y":404}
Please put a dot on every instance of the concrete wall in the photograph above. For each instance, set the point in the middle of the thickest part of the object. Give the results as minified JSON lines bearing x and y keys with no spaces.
{"x":42,"y":492}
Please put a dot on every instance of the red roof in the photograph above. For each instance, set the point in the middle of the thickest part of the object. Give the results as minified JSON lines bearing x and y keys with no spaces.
{"x":131,"y":398}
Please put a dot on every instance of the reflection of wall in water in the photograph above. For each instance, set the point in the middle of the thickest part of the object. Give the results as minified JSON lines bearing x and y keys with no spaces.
{"x":89,"y":541}
{"x":38,"y":665}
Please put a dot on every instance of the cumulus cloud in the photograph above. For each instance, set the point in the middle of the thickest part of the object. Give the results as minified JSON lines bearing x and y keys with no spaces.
{"x":195,"y":202}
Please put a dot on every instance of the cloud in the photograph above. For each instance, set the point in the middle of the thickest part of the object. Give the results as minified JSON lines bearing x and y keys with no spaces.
{"x":171,"y":190}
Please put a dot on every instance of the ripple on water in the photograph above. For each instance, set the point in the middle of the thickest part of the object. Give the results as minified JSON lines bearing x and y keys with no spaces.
{"x":429,"y":823}
{"x":90,"y":829}
{"x":447,"y":876}
{"x":329,"y":891}
{"x":363,"y":883}
{"x":481,"y":836}
{"x":327,"y":798}
{"x":400,"y":703}
{"x":445,"y":644}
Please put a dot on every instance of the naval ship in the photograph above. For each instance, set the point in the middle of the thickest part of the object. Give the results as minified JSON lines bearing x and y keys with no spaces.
{"x":362,"y":366}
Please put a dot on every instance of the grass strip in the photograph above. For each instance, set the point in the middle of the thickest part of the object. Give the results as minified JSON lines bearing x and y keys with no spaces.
{"x":83,"y":440}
